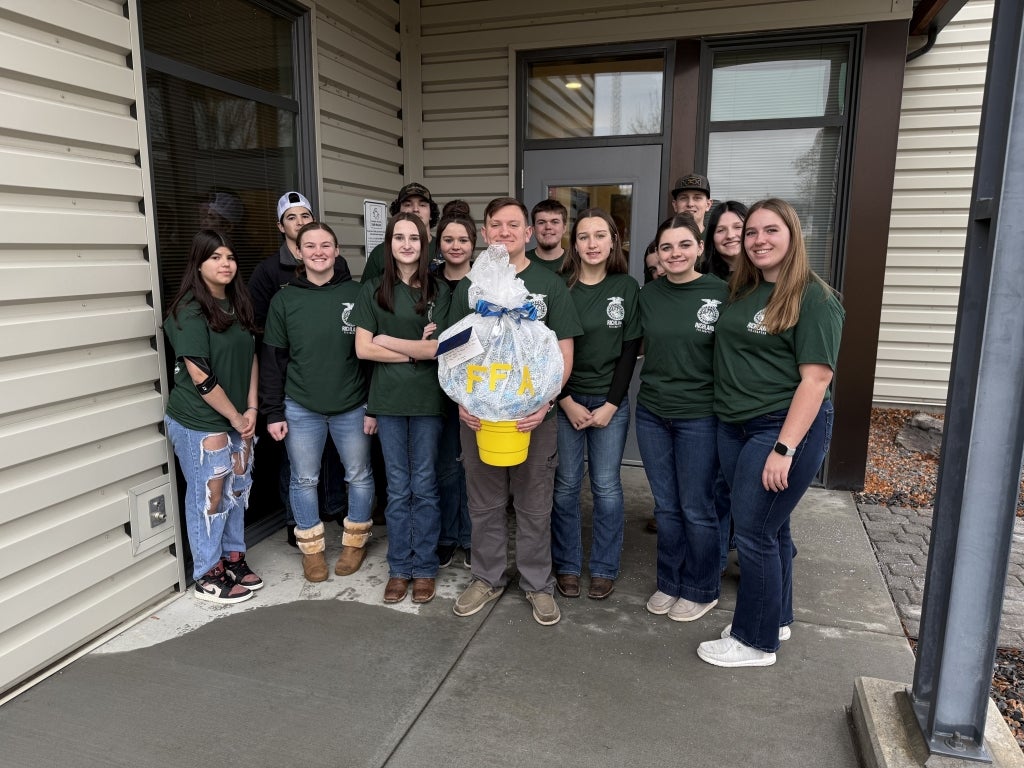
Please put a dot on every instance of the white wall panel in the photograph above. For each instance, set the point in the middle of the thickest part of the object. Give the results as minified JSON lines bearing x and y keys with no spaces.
{"x":360,"y":104}
{"x":79,"y":405}
{"x":938,"y":140}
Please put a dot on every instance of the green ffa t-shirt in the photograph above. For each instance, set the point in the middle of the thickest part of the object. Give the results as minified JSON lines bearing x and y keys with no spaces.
{"x":403,"y":389}
{"x":757,"y":372}
{"x":679,"y":323}
{"x":555,"y":265}
{"x":230,"y":353}
{"x":313,"y":323}
{"x":547,"y":293}
{"x":610,"y":315}
{"x":375,"y":261}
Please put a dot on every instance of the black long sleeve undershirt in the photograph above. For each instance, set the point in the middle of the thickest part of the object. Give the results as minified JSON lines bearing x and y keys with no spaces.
{"x":273,"y":374}
{"x":623,"y":373}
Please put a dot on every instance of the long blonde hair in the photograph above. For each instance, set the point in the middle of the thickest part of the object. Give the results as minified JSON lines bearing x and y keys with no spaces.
{"x":783,"y":309}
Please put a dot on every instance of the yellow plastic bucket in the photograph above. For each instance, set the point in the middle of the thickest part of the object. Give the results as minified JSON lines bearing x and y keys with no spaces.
{"x":501,"y":444}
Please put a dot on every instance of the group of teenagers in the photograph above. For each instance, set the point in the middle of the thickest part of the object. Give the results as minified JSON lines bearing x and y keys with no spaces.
{"x":738,"y":337}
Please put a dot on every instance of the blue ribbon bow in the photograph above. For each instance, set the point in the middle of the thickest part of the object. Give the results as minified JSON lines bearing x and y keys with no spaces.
{"x":525,"y":312}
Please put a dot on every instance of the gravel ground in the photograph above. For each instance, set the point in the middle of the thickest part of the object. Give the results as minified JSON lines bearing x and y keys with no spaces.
{"x":898,"y":477}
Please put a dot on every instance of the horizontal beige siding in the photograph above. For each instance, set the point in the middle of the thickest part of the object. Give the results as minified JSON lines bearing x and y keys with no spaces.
{"x":938,"y":140}
{"x":360,"y":104}
{"x":79,"y":404}
{"x":467,"y":51}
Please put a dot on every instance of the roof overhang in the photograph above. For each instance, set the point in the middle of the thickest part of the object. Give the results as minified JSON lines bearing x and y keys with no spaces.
{"x":930,"y":16}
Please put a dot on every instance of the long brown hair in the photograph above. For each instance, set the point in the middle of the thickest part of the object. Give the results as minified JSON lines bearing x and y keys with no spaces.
{"x":783,"y":309}
{"x":204,"y":243}
{"x":423,"y":280}
{"x":573,"y":264}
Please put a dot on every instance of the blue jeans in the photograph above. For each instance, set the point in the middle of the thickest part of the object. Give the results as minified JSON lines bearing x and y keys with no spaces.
{"x":334,"y":499}
{"x":413,"y":512}
{"x":451,"y":484}
{"x":307,"y":435}
{"x":604,"y":457}
{"x":212,"y":536}
{"x":722,"y":504}
{"x":681,"y":463}
{"x":761,"y":518}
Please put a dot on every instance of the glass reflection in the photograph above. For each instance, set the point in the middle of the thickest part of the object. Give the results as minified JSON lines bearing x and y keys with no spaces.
{"x":616,"y":199}
{"x":613,"y":97}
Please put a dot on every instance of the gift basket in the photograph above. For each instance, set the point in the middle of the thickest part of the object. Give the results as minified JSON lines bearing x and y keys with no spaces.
{"x":500,"y":362}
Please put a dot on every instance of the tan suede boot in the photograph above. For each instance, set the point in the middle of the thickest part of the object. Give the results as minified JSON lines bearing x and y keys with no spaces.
{"x":353,"y":547}
{"x":311,"y":545}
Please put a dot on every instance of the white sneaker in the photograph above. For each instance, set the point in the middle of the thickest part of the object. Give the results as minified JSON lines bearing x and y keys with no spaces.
{"x":660,"y":603}
{"x":730,"y":652}
{"x":784,"y":633}
{"x":687,"y":610}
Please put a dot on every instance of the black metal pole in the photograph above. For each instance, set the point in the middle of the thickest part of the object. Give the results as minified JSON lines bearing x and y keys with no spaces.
{"x":979,"y":473}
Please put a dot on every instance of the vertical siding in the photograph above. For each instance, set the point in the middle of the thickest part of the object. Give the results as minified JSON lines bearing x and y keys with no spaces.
{"x":468,"y":49}
{"x":357,"y":54}
{"x":941,"y":111}
{"x":78,"y":403}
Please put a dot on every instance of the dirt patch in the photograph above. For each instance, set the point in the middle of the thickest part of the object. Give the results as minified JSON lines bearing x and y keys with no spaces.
{"x":896,"y":477}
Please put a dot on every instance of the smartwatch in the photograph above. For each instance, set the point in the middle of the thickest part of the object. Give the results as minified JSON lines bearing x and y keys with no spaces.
{"x":784,"y":450}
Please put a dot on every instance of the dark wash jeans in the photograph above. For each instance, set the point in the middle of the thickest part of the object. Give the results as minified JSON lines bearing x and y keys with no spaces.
{"x":761,"y":519}
{"x":414,"y":512}
{"x":604,"y":448}
{"x":681,"y":464}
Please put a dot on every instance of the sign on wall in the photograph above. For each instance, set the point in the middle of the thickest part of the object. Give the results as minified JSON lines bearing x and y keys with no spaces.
{"x":375,"y":220}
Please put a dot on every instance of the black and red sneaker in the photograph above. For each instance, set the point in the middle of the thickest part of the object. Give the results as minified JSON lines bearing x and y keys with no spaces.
{"x":241,"y":573}
{"x":217,"y":587}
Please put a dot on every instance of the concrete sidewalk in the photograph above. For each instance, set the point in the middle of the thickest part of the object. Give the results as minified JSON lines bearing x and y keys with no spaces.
{"x":326,"y":675}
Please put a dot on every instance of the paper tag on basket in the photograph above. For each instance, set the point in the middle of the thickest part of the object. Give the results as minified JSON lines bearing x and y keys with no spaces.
{"x":459,"y":348}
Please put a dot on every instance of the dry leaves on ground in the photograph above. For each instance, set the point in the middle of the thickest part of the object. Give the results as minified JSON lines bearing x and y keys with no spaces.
{"x":895,"y":476}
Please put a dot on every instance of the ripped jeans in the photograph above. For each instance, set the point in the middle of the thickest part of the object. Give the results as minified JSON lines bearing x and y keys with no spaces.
{"x":212,"y":536}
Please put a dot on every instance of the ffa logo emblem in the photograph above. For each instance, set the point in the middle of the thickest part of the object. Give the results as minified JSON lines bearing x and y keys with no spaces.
{"x":346,"y":312}
{"x":537,"y":299}
{"x":708,"y":313}
{"x":430,"y":311}
{"x":757,"y":325}
{"x":615,"y":309}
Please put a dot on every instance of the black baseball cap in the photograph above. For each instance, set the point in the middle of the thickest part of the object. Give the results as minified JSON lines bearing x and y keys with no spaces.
{"x":413,"y":190}
{"x":694,"y":182}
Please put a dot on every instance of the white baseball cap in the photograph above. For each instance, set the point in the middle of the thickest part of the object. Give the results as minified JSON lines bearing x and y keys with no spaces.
{"x":292,"y":200}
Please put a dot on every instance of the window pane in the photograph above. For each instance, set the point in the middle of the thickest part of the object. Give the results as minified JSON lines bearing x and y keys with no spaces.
{"x":804,"y":81}
{"x":231,"y":38}
{"x":218,"y":161}
{"x":799,"y":165}
{"x":611,"y":97}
